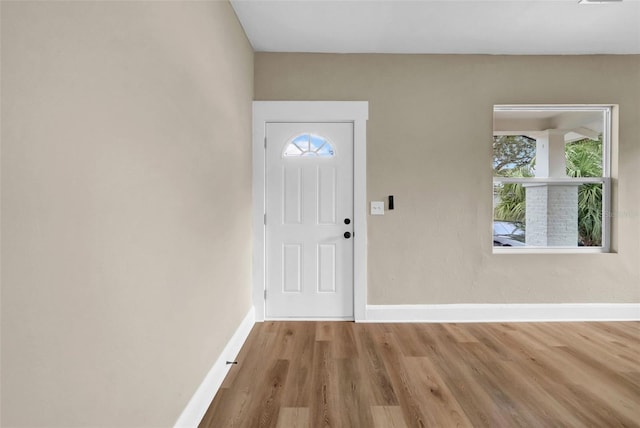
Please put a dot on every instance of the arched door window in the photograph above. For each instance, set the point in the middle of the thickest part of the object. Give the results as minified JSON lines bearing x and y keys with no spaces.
{"x":309,"y":145}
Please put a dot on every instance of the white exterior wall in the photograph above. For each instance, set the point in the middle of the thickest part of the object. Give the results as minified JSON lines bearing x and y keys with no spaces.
{"x":552,"y":215}
{"x":536,"y":215}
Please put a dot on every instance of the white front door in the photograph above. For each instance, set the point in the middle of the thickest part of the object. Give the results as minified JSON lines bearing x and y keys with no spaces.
{"x":309,"y":220}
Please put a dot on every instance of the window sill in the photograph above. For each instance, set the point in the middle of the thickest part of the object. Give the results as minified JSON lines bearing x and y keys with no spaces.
{"x":550,"y":250}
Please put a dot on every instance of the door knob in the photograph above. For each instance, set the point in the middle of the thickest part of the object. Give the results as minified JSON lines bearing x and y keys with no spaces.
{"x":347,"y":235}
{"x":347,"y":220}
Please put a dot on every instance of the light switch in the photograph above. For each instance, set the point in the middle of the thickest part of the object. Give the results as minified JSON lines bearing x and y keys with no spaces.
{"x":377,"y":208}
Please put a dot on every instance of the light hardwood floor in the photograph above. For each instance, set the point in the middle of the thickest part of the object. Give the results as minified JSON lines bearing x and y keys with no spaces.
{"x":340,"y":374}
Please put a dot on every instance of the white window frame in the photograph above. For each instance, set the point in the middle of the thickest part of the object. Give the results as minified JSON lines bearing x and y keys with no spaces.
{"x":605,"y":180}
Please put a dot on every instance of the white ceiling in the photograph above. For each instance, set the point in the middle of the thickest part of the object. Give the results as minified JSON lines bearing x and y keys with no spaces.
{"x":454,"y":26}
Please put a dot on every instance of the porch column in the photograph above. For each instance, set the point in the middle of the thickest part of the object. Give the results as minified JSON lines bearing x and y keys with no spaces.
{"x":551,"y":209}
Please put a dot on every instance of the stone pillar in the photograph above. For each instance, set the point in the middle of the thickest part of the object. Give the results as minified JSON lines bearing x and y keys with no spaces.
{"x":552,"y":215}
{"x":551,"y":209}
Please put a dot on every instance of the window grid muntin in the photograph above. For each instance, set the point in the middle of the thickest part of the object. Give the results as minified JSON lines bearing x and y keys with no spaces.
{"x":309,"y":145}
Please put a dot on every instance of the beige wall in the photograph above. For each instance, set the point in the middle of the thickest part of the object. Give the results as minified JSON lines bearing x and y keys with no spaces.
{"x":126,"y":193}
{"x":126,"y":205}
{"x":429,"y":144}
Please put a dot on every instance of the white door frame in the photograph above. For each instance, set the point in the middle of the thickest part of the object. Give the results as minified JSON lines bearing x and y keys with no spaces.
{"x":356,"y":112}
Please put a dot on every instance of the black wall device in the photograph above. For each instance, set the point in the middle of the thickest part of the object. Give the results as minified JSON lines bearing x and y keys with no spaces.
{"x":390,"y":202}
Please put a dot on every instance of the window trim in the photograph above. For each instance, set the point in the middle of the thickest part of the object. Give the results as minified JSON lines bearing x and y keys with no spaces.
{"x":605,"y":180}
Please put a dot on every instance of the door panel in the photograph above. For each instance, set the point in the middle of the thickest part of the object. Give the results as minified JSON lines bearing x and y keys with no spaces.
{"x":327,"y":268}
{"x":291,"y":268}
{"x":292,"y":184}
{"x":309,"y":191}
{"x":327,"y":195}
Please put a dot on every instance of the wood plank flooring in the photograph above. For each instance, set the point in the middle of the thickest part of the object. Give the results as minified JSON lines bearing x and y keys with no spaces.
{"x":340,"y":374}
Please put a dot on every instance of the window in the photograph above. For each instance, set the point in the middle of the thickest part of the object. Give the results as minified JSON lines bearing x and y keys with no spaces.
{"x":551,"y":179}
{"x":309,"y":145}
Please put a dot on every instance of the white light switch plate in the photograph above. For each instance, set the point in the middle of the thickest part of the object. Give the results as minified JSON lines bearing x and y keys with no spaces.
{"x":377,"y":208}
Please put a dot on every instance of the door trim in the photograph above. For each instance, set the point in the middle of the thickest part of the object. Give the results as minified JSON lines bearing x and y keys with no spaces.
{"x":356,"y":112}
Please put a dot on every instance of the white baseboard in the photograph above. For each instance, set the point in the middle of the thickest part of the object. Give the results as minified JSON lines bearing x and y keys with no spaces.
{"x":199,"y":403}
{"x":504,"y":312}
